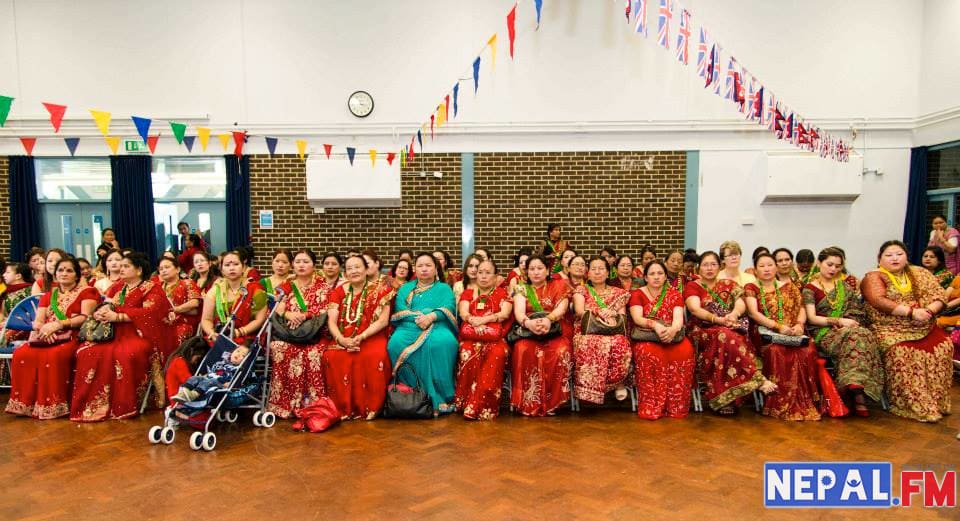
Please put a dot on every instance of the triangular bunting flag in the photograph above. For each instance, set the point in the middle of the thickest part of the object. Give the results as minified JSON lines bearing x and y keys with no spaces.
{"x":403,"y":157}
{"x":432,"y":117}
{"x":476,"y":74}
{"x":301,"y":148}
{"x":446,"y":107}
{"x":203,"y":134}
{"x":188,"y":142}
{"x":327,"y":149}
{"x":512,"y":26}
{"x":441,"y":115}
{"x":456,"y":92}
{"x":419,"y":139}
{"x":143,"y":127}
{"x":5,"y":103}
{"x":72,"y":143}
{"x":492,"y":42}
{"x":224,"y":140}
{"x":271,"y":145}
{"x":152,"y":143}
{"x":179,"y":129}
{"x":539,"y":5}
{"x":103,"y":120}
{"x":239,"y":138}
{"x":56,"y":114}
{"x":390,"y":157}
{"x":113,"y":142}
{"x":373,"y":157}
{"x":411,"y":155}
{"x":28,"y":143}
{"x":350,"y":153}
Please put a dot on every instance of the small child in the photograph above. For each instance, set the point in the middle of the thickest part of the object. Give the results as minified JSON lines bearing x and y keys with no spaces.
{"x":219,"y":376}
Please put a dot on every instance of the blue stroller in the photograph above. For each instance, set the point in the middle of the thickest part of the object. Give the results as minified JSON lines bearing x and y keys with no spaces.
{"x":248,"y":388}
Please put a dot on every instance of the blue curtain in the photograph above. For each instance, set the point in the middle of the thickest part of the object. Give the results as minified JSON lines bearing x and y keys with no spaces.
{"x":24,"y":208}
{"x":131,"y":201}
{"x":238,"y":201}
{"x":915,"y":224}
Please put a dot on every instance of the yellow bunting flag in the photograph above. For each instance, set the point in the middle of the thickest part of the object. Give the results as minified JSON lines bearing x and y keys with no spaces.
{"x":441,"y":115}
{"x":225,"y":140}
{"x":103,"y":121}
{"x":492,"y":42}
{"x":301,"y":148}
{"x":373,"y":157}
{"x":203,"y":134}
{"x":403,"y":157}
{"x":113,"y":142}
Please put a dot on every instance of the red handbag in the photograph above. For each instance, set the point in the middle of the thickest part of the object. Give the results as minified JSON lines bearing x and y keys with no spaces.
{"x":487,"y":333}
{"x":318,"y":417}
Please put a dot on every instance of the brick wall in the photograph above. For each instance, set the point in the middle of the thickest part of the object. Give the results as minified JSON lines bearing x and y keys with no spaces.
{"x":4,"y":208}
{"x":598,"y":197}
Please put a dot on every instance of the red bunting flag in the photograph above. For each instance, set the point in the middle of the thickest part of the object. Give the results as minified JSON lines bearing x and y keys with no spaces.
{"x":446,"y":111}
{"x":390,"y":157}
{"x":432,"y":116}
{"x":411,"y":155}
{"x":152,"y":143}
{"x":28,"y":143}
{"x":239,"y":138}
{"x":512,"y":25}
{"x":327,"y":149}
{"x":56,"y":114}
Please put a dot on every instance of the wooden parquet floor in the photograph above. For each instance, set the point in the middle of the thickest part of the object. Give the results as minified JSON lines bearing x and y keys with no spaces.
{"x":598,"y":464}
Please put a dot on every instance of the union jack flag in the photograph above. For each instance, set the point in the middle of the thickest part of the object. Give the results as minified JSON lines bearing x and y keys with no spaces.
{"x":751,"y":101}
{"x":666,"y":14}
{"x":640,"y":8}
{"x":627,"y":10}
{"x":738,"y":88}
{"x":710,"y":64}
{"x":758,"y":106}
{"x":716,"y":73}
{"x":683,"y":37}
{"x":771,"y":113}
{"x":702,"y":53}
{"x":730,"y":92}
{"x":788,"y":128}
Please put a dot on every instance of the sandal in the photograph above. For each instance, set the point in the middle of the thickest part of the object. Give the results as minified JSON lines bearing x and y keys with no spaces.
{"x":728,"y":410}
{"x":860,"y":404}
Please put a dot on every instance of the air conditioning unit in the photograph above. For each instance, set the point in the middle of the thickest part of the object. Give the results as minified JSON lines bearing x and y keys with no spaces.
{"x":334,"y":183}
{"x":797,"y":178}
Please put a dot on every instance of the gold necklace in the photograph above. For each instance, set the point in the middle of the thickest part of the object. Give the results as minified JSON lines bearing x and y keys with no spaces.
{"x":900,"y":282}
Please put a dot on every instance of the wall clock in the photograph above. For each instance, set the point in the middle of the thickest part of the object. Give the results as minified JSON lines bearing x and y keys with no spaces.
{"x":360,"y":104}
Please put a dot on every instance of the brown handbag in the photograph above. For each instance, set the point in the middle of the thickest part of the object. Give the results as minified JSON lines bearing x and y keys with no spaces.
{"x":641,"y":334}
{"x":591,"y":324}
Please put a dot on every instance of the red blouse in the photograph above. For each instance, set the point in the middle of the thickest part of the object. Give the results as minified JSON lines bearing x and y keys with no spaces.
{"x":671,"y":300}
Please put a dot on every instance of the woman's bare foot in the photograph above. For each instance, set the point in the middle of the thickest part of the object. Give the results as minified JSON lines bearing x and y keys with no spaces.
{"x":768,"y":387}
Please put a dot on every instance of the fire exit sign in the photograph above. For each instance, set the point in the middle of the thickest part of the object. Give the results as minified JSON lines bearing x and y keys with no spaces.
{"x":134,"y":145}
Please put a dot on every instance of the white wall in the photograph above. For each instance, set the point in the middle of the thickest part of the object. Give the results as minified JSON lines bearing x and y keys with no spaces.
{"x":940,"y":63}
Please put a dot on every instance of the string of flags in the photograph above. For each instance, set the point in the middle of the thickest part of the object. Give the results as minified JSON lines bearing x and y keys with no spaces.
{"x":745,"y":90}
{"x":749,"y":95}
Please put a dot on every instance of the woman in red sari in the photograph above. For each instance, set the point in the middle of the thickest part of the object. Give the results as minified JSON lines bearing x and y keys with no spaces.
{"x":518,"y":274}
{"x":356,"y":365}
{"x":602,"y":361}
{"x":185,"y":300}
{"x":43,"y":284}
{"x":623,"y":276}
{"x":111,"y":271}
{"x":540,"y":368}
{"x":485,"y":312}
{"x":332,"y":262}
{"x":664,"y":370}
{"x":280,"y":265}
{"x":728,"y":363}
{"x":205,"y":273}
{"x":111,"y":377}
{"x":902,"y":303}
{"x":43,"y":367}
{"x":297,"y":378}
{"x":779,"y":307}
{"x":18,"y":278}
{"x":676,"y":277}
{"x":193,"y":246}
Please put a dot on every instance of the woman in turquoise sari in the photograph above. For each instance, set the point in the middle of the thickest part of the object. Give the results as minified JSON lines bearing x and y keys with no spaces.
{"x":426,"y":334}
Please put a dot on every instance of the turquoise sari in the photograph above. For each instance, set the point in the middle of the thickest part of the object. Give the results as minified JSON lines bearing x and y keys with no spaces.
{"x":433,"y":351}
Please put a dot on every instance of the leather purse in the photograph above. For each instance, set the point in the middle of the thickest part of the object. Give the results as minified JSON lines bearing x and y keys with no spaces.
{"x":58,"y":338}
{"x":743,"y":324}
{"x":771,"y":336}
{"x":591,"y":324}
{"x":490,"y":332}
{"x":411,"y":404}
{"x":641,"y":334}
{"x":92,"y":330}
{"x":518,"y":331}
{"x":306,"y":333}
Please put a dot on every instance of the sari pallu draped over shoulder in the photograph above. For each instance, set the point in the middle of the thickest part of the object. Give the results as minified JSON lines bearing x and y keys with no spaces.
{"x":727,"y":364}
{"x":111,"y":377}
{"x":431,"y":351}
{"x":602,"y":362}
{"x":179,"y":293}
{"x":916,"y":357}
{"x":482,"y":359}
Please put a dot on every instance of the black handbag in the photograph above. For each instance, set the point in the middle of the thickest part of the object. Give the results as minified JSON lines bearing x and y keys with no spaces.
{"x":306,"y":333}
{"x":592,"y":325}
{"x":92,"y":330}
{"x":413,"y":405}
{"x":769,"y":335}
{"x":641,"y":334}
{"x":517,"y":331}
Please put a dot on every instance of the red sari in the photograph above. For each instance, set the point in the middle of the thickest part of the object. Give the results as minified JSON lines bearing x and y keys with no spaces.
{"x":297,"y":372}
{"x":112,"y":376}
{"x":483,"y":357}
{"x":181,"y":292}
{"x":602,"y":361}
{"x":664,"y":372}
{"x":42,"y":374}
{"x":793,"y":369}
{"x":540,"y":369}
{"x":357,"y":380}
{"x":728,"y":361}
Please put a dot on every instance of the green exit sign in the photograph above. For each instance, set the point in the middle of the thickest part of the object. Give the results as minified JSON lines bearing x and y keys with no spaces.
{"x":134,"y":145}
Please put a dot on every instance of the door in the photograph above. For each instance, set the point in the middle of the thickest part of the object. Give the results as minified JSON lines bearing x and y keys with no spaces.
{"x":76,"y":228}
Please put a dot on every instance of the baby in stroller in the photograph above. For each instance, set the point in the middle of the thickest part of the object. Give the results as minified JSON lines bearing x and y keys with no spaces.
{"x":219,"y":375}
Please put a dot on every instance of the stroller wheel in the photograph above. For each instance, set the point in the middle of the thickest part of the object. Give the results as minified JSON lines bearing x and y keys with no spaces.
{"x":209,"y":441}
{"x":256,"y":418}
{"x":167,"y":434}
{"x":231,"y":416}
{"x":268,"y":419}
{"x":196,"y":440}
{"x":154,"y":434}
